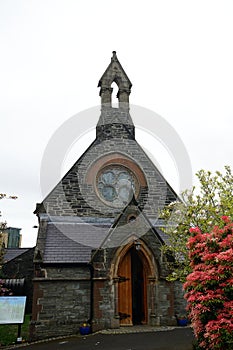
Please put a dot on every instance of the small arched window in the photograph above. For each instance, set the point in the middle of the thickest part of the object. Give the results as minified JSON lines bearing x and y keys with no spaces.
{"x":115,"y":101}
{"x":131,"y":218}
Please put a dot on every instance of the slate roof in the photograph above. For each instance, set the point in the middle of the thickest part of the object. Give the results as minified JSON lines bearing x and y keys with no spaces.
{"x":162,"y":235}
{"x":73,"y":242}
{"x":12,"y":253}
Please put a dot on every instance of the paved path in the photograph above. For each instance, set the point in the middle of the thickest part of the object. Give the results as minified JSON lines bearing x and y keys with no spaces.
{"x":166,"y":339}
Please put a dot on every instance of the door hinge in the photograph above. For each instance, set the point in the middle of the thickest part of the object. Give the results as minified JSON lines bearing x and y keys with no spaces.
{"x":122,"y":279}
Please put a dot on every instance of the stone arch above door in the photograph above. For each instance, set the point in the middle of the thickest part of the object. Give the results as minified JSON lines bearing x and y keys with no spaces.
{"x":144,"y":251}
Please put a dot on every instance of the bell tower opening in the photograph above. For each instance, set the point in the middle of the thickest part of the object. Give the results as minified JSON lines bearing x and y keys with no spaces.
{"x":115,"y":100}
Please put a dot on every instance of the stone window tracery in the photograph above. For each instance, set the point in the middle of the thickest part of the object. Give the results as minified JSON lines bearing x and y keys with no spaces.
{"x":116,"y":185}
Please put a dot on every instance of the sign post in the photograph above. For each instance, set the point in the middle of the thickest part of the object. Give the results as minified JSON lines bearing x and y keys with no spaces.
{"x":12,"y":311}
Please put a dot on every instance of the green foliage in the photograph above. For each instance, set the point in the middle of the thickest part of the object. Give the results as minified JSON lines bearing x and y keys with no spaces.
{"x":201,"y":207}
{"x":8,"y":333}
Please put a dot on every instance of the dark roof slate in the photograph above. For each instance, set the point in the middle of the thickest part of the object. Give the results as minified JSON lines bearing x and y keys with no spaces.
{"x":72,"y":242}
{"x":12,"y":253}
{"x":164,"y":237}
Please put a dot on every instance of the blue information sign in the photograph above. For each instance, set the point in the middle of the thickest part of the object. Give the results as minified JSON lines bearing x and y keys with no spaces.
{"x":12,"y":310}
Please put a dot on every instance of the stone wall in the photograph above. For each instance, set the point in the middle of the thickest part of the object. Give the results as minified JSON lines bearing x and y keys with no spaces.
{"x":180,"y":302}
{"x":62,"y":298}
{"x":168,"y":296}
{"x":61,"y":302}
{"x":74,"y":196}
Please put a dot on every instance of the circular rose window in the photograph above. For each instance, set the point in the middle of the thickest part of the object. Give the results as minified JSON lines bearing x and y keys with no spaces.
{"x":116,"y":185}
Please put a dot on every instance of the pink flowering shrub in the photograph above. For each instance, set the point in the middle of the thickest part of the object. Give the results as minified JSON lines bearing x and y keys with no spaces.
{"x":209,"y":288}
{"x":3,"y":290}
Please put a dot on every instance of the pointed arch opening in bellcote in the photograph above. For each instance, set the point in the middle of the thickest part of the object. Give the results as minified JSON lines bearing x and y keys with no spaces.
{"x":114,"y":99}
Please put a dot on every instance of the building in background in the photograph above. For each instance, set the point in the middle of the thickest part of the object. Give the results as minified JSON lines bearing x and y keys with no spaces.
{"x":16,"y":265}
{"x":12,"y":237}
{"x":18,"y":271}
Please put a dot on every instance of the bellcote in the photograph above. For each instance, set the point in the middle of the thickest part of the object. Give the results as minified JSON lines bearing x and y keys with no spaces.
{"x":115,"y":115}
{"x":115,"y":73}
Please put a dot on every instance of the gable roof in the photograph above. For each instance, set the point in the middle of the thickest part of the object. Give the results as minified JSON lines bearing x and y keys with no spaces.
{"x":12,"y":253}
{"x":123,"y":229}
{"x":72,"y":240}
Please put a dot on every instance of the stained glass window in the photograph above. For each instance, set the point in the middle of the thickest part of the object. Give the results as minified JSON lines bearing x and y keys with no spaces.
{"x":116,"y":185}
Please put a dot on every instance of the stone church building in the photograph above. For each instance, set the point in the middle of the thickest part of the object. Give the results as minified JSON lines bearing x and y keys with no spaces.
{"x":98,"y":256}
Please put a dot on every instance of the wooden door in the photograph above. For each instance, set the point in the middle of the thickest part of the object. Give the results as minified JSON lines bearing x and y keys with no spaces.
{"x":125,"y":290}
{"x":132,"y":289}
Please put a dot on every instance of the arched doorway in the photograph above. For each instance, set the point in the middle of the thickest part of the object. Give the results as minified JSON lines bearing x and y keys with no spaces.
{"x":133,"y":272}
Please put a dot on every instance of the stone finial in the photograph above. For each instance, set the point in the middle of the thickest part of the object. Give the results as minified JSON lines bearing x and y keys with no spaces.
{"x":114,"y":56}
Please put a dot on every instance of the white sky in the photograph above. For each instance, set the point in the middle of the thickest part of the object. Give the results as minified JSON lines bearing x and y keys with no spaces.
{"x":178,"y":55}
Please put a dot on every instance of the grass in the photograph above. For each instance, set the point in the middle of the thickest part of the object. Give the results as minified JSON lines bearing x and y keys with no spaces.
{"x":9,"y":332}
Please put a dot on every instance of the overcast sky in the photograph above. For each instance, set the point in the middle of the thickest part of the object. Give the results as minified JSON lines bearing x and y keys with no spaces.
{"x":178,"y":55}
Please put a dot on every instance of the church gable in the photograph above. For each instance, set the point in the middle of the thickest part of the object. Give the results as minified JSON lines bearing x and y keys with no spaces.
{"x":131,"y":226}
{"x":87,"y":189}
{"x":79,"y":193}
